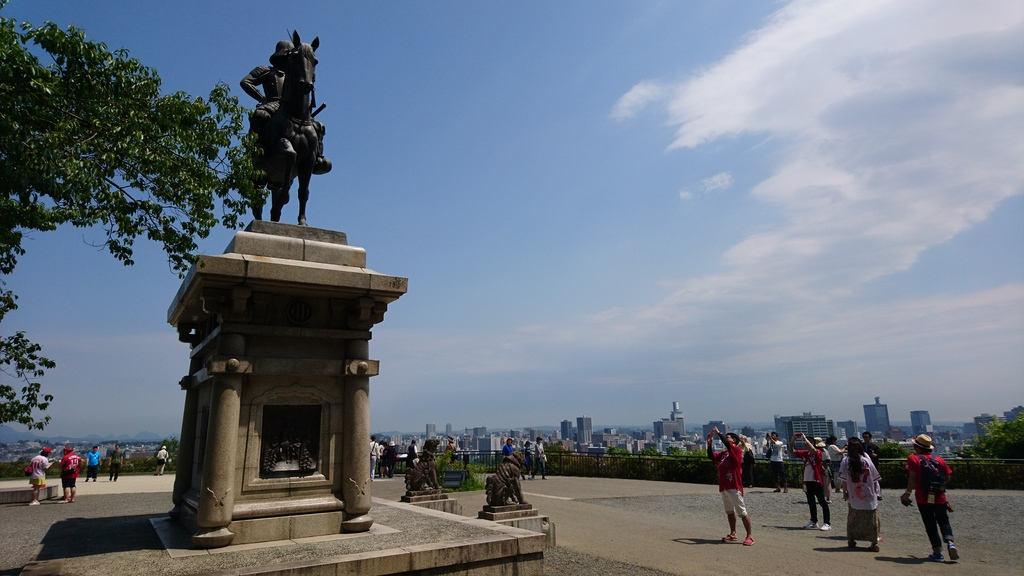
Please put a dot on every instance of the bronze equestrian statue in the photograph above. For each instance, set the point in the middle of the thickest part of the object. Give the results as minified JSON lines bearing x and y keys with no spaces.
{"x":291,"y":140}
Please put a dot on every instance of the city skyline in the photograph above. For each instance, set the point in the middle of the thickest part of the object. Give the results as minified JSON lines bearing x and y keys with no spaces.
{"x":749,"y":208}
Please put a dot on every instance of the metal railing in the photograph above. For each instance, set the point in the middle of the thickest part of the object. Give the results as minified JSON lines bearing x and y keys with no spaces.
{"x":967,"y":473}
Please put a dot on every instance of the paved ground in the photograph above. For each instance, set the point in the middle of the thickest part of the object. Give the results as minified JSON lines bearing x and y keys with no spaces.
{"x":603,"y":526}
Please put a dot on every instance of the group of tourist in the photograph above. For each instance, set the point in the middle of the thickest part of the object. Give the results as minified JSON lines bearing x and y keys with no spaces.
{"x":383,"y":457}
{"x":854,"y":471}
{"x":534,"y":458}
{"x":71,"y":465}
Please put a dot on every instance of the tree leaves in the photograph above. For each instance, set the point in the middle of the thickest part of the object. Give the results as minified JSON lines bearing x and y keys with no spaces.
{"x":89,"y":139}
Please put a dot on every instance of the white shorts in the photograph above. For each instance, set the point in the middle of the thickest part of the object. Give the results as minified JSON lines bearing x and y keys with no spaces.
{"x":733,"y":501}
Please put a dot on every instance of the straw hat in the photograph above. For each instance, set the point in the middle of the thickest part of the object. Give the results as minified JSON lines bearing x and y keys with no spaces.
{"x":818,"y":442}
{"x":924,"y":442}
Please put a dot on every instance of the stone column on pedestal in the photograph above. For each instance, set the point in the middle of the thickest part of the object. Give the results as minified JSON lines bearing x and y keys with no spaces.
{"x":216,"y":491}
{"x":355,"y":463}
{"x":186,"y":447}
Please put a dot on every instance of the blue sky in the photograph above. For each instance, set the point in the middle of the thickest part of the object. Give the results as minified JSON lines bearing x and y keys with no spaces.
{"x":603,"y":207}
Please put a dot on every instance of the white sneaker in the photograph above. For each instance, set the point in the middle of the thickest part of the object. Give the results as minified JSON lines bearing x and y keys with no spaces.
{"x":826,"y":527}
{"x":34,"y":503}
{"x":811,"y":525}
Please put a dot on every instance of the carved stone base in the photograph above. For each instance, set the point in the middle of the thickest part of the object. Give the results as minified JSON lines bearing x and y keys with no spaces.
{"x":507,"y":512}
{"x":423,"y":495}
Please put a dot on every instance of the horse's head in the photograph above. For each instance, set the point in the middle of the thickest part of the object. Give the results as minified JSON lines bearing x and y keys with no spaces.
{"x":301,"y":67}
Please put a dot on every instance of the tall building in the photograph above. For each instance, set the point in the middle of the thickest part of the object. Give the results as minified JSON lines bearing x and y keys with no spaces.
{"x":846,"y":429}
{"x":981,"y":423}
{"x":807,"y":423}
{"x":876,"y":417}
{"x":671,"y":427}
{"x":448,"y":429}
{"x":431,"y":430}
{"x":711,"y":425}
{"x":566,"y":430}
{"x":584,"y":430}
{"x":920,"y":422}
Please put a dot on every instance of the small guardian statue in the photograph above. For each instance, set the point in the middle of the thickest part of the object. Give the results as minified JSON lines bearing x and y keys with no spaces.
{"x":424,"y":475}
{"x":503,"y":486}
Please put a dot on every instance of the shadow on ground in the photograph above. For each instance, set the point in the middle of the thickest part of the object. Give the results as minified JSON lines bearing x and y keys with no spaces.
{"x":76,"y":537}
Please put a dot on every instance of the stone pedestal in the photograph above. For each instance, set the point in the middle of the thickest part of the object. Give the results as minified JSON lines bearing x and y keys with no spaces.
{"x":520,"y":516}
{"x":276,"y":419}
{"x":433,"y":500}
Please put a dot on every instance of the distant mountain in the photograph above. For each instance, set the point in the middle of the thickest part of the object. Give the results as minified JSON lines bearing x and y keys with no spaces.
{"x":8,"y":434}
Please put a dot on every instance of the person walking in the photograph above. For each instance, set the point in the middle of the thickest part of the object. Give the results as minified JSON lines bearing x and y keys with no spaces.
{"x":776,"y":451}
{"x":835,"y":458}
{"x":161,"y":460}
{"x":116,"y":459}
{"x":748,"y":462}
{"x":92,"y":463}
{"x":858,"y":478}
{"x":540,"y":460}
{"x":813,"y":480}
{"x":37,"y":473}
{"x":527,"y":459}
{"x":69,"y":466}
{"x":871,"y":449}
{"x":390,"y":458}
{"x":730,"y":483}
{"x":927,"y":477}
{"x":376,"y":451}
{"x":411,"y":456}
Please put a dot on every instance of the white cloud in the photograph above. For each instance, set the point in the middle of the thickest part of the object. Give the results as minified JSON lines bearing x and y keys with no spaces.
{"x":638,"y":97}
{"x":720,"y":181}
{"x":891,"y":128}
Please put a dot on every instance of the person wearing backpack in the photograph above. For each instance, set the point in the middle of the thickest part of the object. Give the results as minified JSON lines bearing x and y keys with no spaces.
{"x":927,"y":477}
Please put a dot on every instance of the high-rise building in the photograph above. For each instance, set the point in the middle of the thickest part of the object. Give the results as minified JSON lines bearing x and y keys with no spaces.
{"x":807,"y":423}
{"x":920,"y":422}
{"x":981,"y":423}
{"x":676,"y":413}
{"x":846,"y":429}
{"x":711,"y":425}
{"x":431,"y":430}
{"x":584,"y":430}
{"x":666,"y":428}
{"x":876,"y":417}
{"x":671,"y":427}
{"x":448,"y":429}
{"x":566,"y":430}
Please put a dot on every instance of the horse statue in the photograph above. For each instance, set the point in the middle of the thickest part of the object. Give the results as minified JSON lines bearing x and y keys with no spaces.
{"x":290,"y":140}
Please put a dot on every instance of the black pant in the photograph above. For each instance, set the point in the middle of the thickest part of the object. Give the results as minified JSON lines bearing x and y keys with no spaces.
{"x":936,"y":518}
{"x":815,"y":490}
{"x":115,"y":470}
{"x":90,"y":472}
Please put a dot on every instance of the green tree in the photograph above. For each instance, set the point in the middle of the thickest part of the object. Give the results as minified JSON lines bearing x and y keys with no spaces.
{"x":88,"y":140}
{"x":173,"y":445}
{"x":617,"y":451}
{"x":676,"y":452}
{"x":892,"y":450}
{"x":1000,"y":440}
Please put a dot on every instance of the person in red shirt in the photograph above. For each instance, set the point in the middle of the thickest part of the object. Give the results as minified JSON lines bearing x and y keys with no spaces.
{"x":814,"y":470}
{"x":69,"y":466}
{"x":730,"y":482}
{"x":931,"y":500}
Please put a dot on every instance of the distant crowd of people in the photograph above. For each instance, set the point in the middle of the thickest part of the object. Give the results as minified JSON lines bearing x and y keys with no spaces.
{"x":71,"y":466}
{"x":853,"y":470}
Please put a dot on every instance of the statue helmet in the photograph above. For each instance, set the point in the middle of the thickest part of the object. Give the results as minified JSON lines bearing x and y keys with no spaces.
{"x":281,"y":52}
